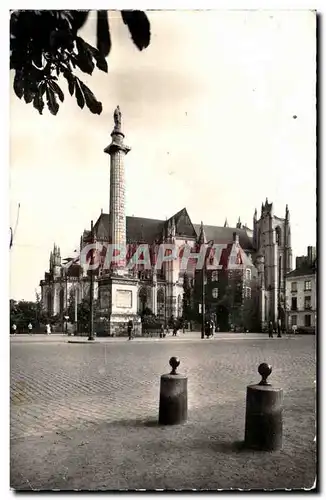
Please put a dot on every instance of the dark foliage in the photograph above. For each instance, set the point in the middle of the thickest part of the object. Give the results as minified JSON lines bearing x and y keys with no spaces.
{"x":24,"y":312}
{"x":83,"y":313}
{"x":44,"y":45}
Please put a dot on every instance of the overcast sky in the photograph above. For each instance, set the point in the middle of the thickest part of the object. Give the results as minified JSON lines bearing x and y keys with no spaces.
{"x":208,"y":110}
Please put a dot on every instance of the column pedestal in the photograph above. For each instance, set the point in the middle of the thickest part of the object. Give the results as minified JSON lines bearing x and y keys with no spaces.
{"x":118,"y":305}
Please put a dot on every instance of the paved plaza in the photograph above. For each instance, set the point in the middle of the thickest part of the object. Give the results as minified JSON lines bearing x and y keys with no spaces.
{"x":85,"y":416}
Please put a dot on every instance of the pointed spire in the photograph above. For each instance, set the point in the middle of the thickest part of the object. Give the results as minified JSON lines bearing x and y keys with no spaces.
{"x":226,"y":224}
{"x":287,"y":213}
{"x":266,"y":202}
{"x":202,"y":236}
{"x":238,"y":224}
{"x":255,"y":214}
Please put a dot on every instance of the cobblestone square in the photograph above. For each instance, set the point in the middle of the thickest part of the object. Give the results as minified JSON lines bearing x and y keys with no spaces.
{"x":84,"y":416}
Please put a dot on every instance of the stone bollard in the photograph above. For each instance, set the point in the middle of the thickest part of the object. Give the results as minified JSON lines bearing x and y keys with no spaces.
{"x":173,"y":396}
{"x":263,"y":429}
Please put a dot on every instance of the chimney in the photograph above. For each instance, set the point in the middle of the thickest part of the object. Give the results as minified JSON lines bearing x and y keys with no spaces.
{"x":309,"y":255}
{"x":235,"y":237}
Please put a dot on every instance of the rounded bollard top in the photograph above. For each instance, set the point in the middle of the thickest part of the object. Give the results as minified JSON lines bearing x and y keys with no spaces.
{"x":174,"y":363}
{"x":264,"y":370}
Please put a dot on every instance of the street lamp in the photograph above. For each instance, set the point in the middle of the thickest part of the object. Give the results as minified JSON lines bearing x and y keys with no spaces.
{"x":209,"y":245}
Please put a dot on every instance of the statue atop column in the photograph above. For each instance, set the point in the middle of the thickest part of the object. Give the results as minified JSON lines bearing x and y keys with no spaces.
{"x":117,"y":118}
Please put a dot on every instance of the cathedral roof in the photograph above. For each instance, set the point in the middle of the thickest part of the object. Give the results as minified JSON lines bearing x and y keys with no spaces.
{"x":225,"y":235}
{"x":141,"y":229}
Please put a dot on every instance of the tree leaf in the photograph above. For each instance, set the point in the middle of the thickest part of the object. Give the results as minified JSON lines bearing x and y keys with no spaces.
{"x":55,"y":87}
{"x":51,"y":101}
{"x":79,"y":18}
{"x":71,"y":81}
{"x":103,"y":33}
{"x":38,"y":103}
{"x":79,"y":95}
{"x":139,"y":27}
{"x":99,"y":58}
{"x":91,"y":102}
{"x":18,"y":85}
{"x":28,"y":94}
{"x":101,"y":62}
{"x":84,"y":57}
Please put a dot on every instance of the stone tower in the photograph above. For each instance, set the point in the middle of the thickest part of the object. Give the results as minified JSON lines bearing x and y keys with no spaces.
{"x":272,"y":239}
{"x":56,"y":261}
{"x":117,"y":151}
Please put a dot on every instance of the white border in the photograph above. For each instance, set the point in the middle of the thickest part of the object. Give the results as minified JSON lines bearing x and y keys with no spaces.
{"x":97,"y":4}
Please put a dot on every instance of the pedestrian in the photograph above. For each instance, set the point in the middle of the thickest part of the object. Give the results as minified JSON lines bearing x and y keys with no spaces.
{"x":212,"y":328}
{"x":30,"y":328}
{"x":130,"y":329}
{"x":162,"y":331}
{"x":48,"y":329}
{"x":279,"y":328}
{"x":270,"y":329}
{"x":14,"y":329}
{"x":207,"y":329}
{"x":294,"y":329}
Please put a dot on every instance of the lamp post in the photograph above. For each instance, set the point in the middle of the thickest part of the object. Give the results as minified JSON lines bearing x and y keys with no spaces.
{"x":165,"y":305}
{"x":91,"y":291}
{"x":76,"y":313}
{"x":209,"y":244}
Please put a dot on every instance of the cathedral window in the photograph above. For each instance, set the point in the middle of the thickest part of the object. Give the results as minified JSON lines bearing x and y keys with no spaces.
{"x":248,"y":274}
{"x":179,"y":306}
{"x":248,"y":292}
{"x":215,"y":293}
{"x":278,"y":235}
{"x":142,"y":296}
{"x":214,"y":276}
{"x":160,"y":303}
{"x":61,"y":301}
{"x":49,"y":303}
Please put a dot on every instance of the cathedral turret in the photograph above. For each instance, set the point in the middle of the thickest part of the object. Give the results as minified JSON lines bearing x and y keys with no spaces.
{"x":238,"y":226}
{"x":287,"y":213}
{"x":56,"y":261}
{"x":202,"y":236}
{"x":117,"y":151}
{"x":255,"y":230}
{"x":226,"y":224}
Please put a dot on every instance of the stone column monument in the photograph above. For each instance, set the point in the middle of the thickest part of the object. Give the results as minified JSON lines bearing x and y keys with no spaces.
{"x":117,"y":288}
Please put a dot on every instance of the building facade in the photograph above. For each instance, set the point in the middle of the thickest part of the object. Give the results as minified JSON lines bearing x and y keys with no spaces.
{"x":267,"y":246}
{"x":301,"y":292}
